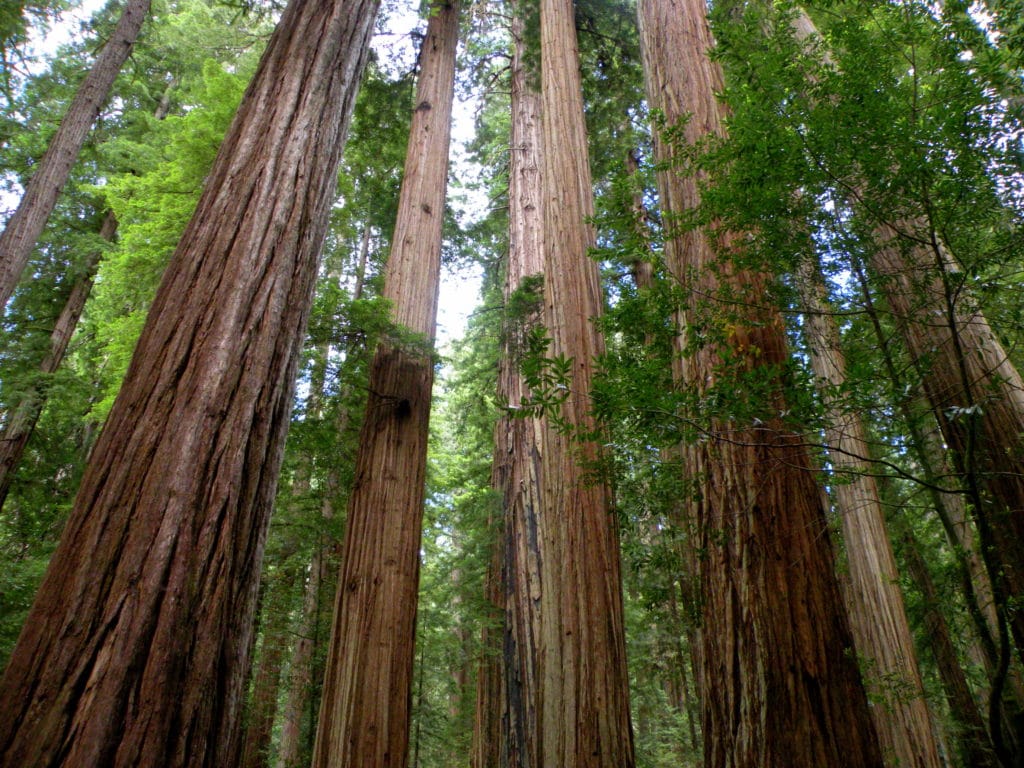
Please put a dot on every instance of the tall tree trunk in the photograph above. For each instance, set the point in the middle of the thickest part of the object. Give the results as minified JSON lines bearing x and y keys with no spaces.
{"x":22,"y":420}
{"x":137,"y":646}
{"x":509,"y":736}
{"x":782,"y":688}
{"x":877,"y":613}
{"x":364,"y":716}
{"x":974,"y":390}
{"x":971,"y":732}
{"x":584,"y":687}
{"x":29,"y":219}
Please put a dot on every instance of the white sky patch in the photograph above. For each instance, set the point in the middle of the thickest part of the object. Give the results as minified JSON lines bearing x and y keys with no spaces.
{"x":36,"y":56}
{"x":43,"y":43}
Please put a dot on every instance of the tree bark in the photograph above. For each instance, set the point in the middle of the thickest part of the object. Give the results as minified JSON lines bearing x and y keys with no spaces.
{"x":509,"y":736}
{"x":975,"y":392}
{"x":137,"y":646}
{"x":972,"y":734}
{"x":882,"y":636}
{"x":584,"y":687}
{"x":364,"y":715}
{"x":782,"y":689}
{"x":29,"y":219}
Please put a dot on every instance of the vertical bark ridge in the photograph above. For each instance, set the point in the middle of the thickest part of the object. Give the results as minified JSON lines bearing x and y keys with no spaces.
{"x":584,"y":692}
{"x":364,"y":715}
{"x":781,"y":687}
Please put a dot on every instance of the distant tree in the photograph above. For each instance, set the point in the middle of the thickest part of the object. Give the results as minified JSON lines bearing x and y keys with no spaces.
{"x":29,"y":218}
{"x":21,"y":423}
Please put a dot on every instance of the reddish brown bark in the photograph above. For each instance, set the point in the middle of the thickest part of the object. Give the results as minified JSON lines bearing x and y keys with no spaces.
{"x":507,"y":733}
{"x":782,"y":688}
{"x":882,"y":636}
{"x":584,"y":693}
{"x":364,"y":716}
{"x":975,"y":392}
{"x":29,"y":219}
{"x":137,"y":646}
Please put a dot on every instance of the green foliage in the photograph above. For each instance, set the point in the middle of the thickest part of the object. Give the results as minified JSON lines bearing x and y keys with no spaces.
{"x":17,"y":18}
{"x":462,"y":515}
{"x":153,"y":203}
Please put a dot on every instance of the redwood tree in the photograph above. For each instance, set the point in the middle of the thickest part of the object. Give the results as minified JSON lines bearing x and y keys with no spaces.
{"x":138,"y":643}
{"x":26,"y":224}
{"x":506,"y":728}
{"x":781,"y":684}
{"x":364,"y":715}
{"x":878,"y":617}
{"x":584,"y":692}
{"x":973,"y":388}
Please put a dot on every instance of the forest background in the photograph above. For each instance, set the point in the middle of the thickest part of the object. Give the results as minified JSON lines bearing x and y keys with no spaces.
{"x":903,"y":110}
